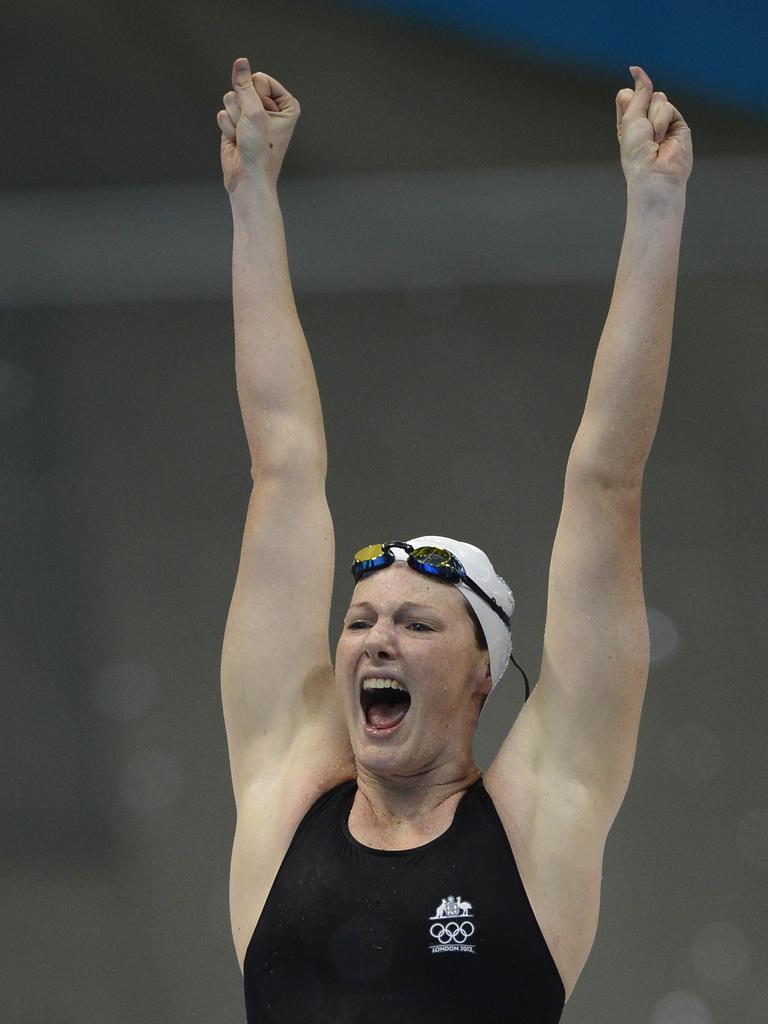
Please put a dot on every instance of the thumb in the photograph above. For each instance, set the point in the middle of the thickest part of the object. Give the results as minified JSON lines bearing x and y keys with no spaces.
{"x":246,"y":94}
{"x":640,"y":99}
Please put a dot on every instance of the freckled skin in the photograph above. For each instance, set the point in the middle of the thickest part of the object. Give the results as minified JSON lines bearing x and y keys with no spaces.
{"x":408,"y":778}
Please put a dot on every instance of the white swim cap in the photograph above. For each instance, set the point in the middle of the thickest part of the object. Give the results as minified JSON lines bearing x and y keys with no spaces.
{"x":479,"y":568}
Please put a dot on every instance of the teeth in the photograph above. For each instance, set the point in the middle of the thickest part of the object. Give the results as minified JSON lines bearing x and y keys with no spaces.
{"x":383,"y":684}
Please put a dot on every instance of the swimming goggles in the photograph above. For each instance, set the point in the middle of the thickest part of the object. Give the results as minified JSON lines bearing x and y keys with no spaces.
{"x":428,"y":560}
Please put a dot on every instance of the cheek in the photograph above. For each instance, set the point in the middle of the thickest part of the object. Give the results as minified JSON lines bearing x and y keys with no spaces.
{"x":345,"y":653}
{"x":339,"y":689}
{"x":340,"y":644}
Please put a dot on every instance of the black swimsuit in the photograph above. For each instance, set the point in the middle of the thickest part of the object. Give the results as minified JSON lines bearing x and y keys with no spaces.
{"x":441,"y":933}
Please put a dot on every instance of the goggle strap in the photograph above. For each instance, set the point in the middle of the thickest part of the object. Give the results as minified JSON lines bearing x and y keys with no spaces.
{"x":487,"y":597}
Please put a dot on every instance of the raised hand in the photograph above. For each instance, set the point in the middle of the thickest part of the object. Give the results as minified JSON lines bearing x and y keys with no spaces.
{"x":256,"y":127}
{"x":654,"y":139}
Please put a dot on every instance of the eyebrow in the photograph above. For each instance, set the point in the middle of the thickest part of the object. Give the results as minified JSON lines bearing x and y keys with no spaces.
{"x":408,"y":605}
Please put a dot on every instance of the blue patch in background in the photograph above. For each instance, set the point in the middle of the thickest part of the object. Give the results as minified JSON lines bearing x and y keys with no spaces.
{"x":714,"y":50}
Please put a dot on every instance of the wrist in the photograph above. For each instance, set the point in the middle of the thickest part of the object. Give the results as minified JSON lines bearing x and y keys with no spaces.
{"x":250,"y":196}
{"x":663,"y":198}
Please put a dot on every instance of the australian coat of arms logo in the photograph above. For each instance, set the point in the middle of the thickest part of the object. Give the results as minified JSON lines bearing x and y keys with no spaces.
{"x":453,"y":927}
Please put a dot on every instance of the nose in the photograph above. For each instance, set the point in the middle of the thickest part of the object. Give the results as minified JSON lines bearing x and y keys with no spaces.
{"x":378,"y":641}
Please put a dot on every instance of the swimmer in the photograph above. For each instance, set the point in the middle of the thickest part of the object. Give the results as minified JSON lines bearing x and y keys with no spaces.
{"x":377,"y":874}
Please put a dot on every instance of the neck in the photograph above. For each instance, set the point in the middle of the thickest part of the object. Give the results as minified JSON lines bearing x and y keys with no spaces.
{"x":410,"y":804}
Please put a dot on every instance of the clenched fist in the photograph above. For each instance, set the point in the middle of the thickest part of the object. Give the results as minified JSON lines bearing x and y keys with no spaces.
{"x":256,"y":127}
{"x":654,"y":139}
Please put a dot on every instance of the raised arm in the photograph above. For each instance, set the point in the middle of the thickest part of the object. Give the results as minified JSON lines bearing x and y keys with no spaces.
{"x":276,"y":381}
{"x":630,"y":371}
{"x":276,"y":670}
{"x":581,"y":723}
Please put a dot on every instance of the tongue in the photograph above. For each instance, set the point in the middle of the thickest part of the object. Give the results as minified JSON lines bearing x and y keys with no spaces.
{"x":383,"y":716}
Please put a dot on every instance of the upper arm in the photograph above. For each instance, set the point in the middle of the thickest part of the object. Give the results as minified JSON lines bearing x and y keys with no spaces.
{"x":276,"y":668}
{"x":581,"y":723}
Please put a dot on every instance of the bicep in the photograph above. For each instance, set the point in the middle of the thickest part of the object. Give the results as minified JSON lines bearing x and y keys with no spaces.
{"x":595,"y":659}
{"x":276,"y":667}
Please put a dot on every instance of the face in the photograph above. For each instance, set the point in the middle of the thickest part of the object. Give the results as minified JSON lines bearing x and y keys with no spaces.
{"x":417,"y":629}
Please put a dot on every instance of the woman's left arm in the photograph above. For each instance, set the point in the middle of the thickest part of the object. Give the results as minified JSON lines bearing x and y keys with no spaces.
{"x":580,"y":727}
{"x":629,"y":376}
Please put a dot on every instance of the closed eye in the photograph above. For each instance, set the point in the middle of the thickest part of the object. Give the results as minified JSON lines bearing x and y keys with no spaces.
{"x":360,"y":622}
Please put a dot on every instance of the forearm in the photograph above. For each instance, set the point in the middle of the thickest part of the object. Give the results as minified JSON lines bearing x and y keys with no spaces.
{"x":276,"y":382}
{"x":629,"y":376}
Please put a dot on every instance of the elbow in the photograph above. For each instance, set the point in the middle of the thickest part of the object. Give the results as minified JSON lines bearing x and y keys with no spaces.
{"x":598,"y":470}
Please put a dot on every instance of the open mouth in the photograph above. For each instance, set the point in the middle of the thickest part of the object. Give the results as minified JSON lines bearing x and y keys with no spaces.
{"x":384,"y":709}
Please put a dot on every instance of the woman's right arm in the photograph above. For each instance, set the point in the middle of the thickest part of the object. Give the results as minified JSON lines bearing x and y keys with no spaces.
{"x":276,"y":381}
{"x":276,"y":669}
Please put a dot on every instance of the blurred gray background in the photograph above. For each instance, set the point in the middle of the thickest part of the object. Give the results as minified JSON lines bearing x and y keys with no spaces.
{"x":454,"y":207}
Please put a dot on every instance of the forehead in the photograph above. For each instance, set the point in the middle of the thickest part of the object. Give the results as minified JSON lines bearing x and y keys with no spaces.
{"x":398,"y":583}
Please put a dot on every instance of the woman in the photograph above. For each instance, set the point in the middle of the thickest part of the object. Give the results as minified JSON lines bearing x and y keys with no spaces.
{"x":377,"y":874}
